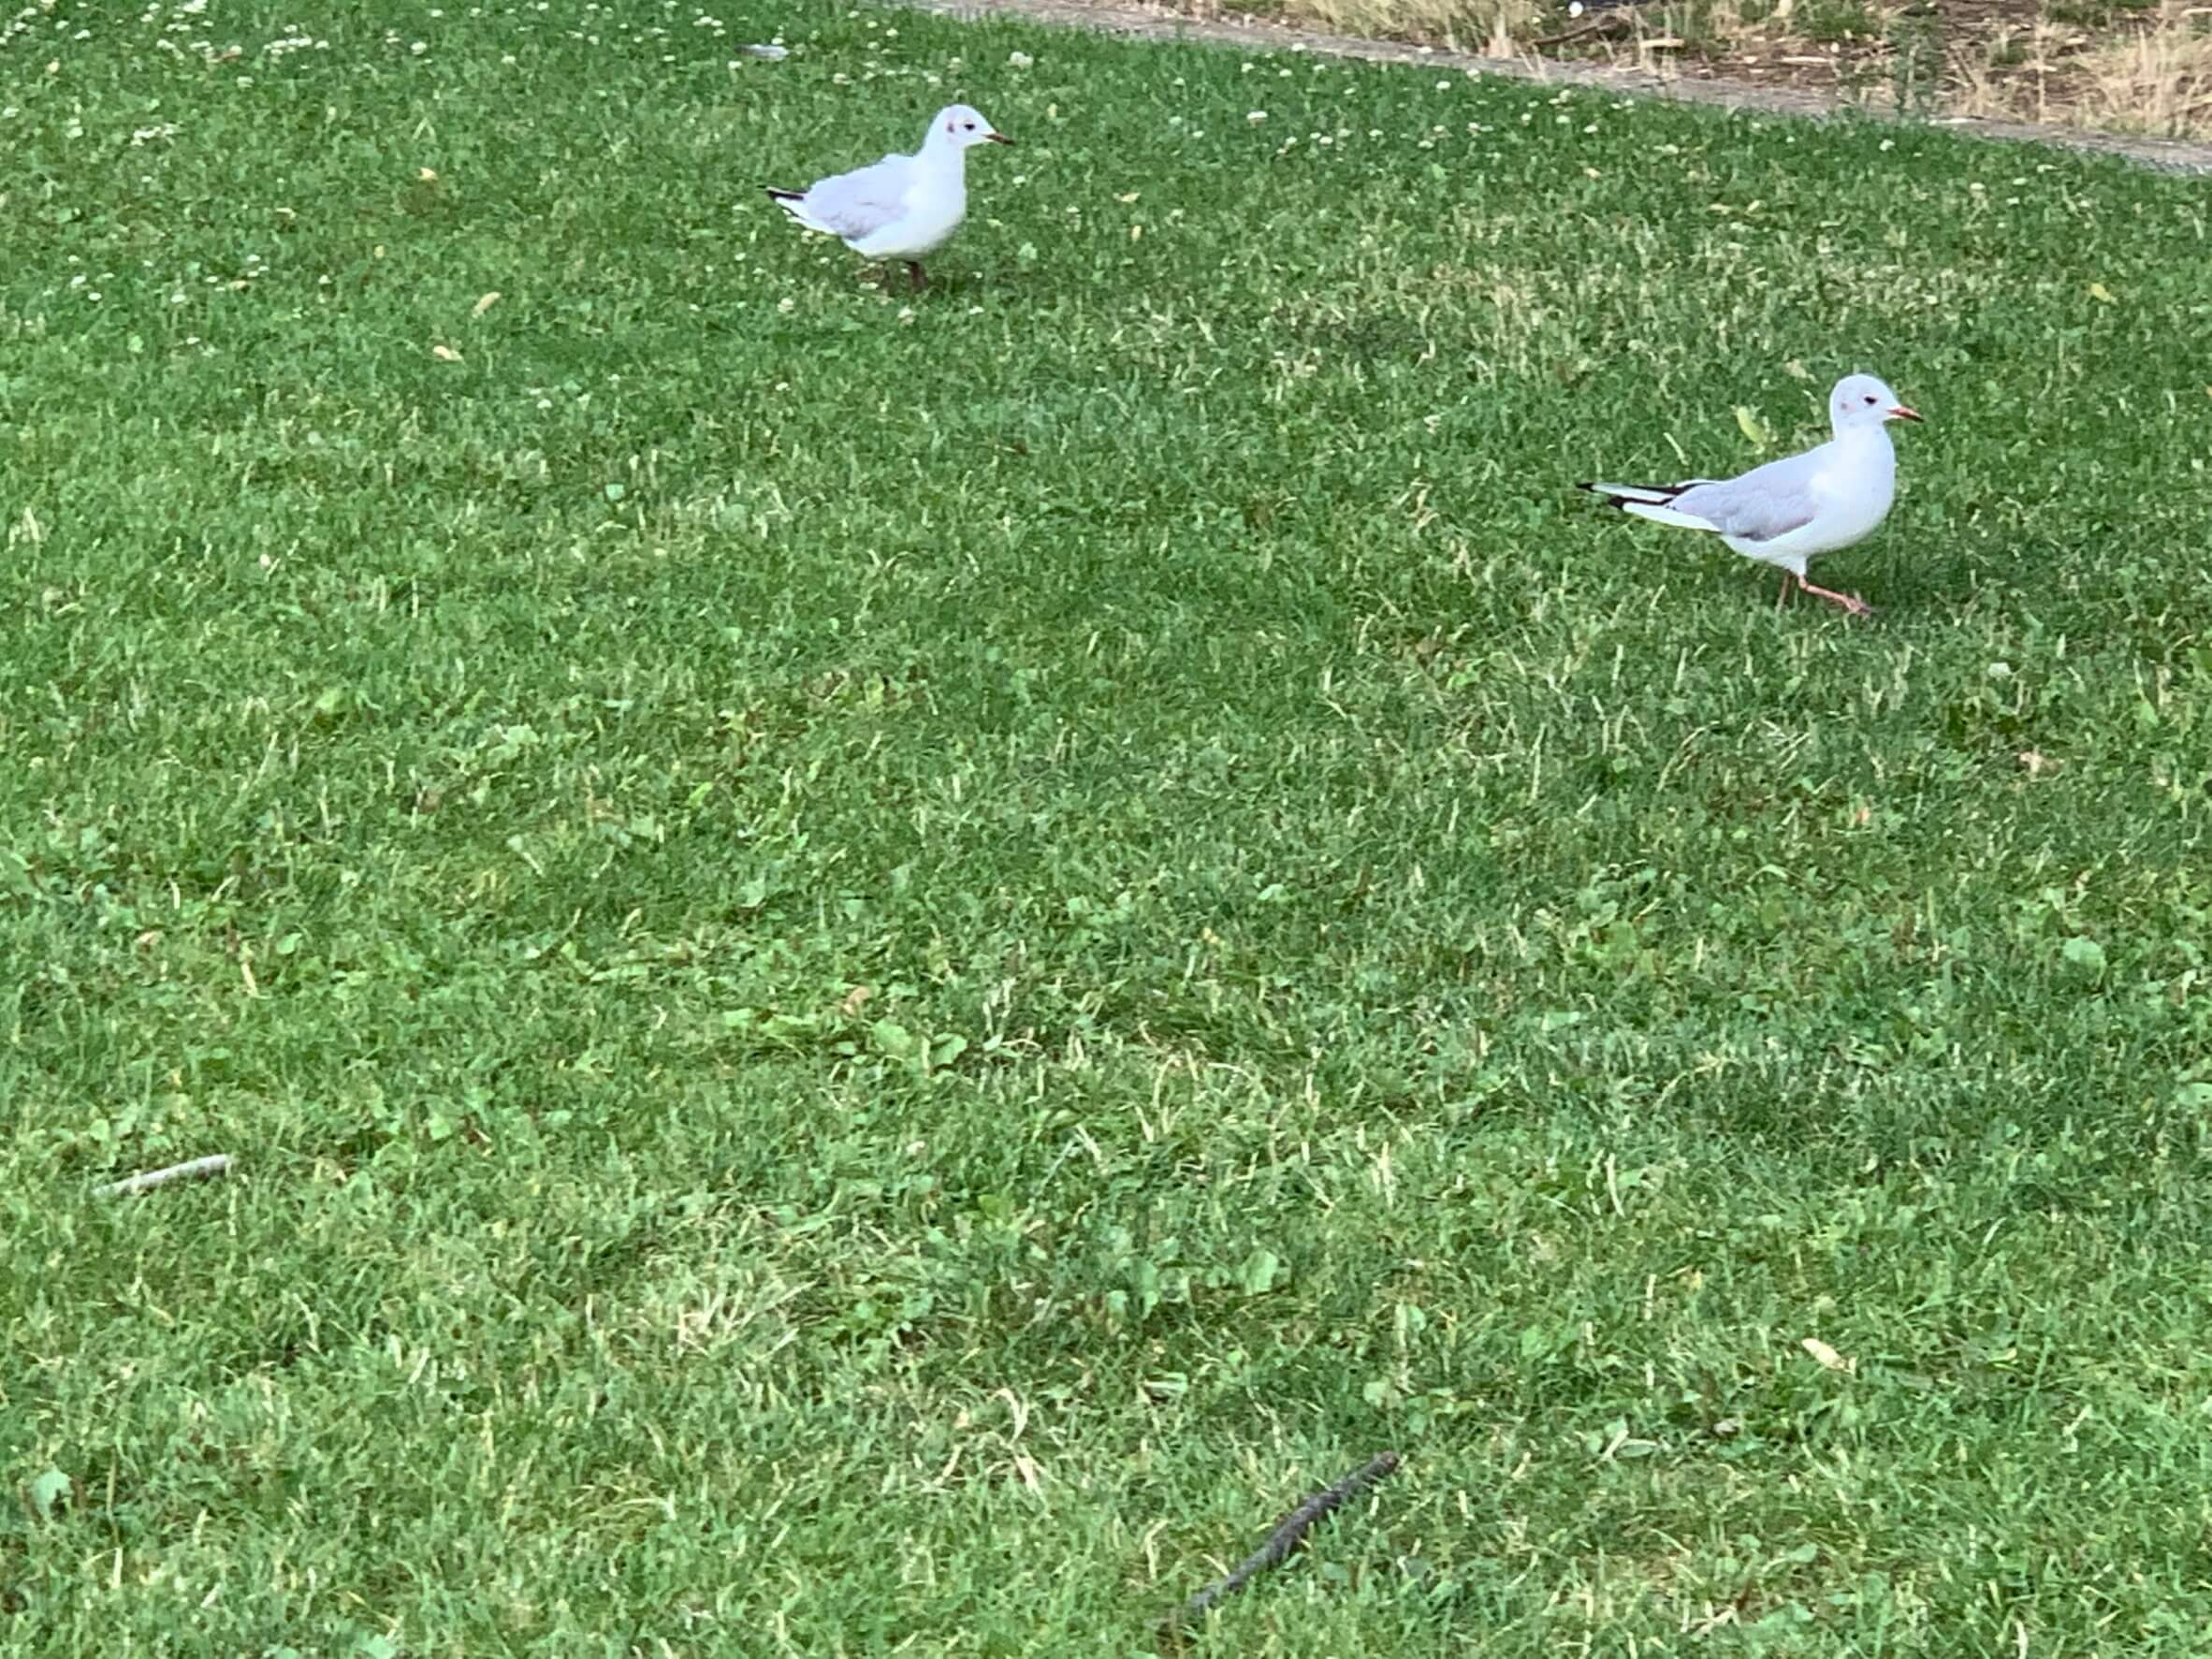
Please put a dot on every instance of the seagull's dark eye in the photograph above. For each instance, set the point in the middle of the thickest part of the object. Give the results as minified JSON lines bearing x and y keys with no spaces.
{"x":971,"y":128}
{"x":1869,"y":400}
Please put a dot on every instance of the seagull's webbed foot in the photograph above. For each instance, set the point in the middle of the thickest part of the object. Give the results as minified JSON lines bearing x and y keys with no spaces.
{"x":914,"y":270}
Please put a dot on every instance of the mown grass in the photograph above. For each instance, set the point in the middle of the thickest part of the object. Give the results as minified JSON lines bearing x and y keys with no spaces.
{"x":881,"y":972}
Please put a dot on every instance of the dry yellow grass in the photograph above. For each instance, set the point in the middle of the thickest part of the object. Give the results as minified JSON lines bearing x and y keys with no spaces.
{"x":1461,"y":26}
{"x":2155,"y":77}
{"x":2160,"y":80}
{"x":2151,"y":75}
{"x":2009,"y":77}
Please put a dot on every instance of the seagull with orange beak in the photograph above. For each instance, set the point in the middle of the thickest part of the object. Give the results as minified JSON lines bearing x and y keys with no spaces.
{"x":1789,"y":511}
{"x":904,"y":207}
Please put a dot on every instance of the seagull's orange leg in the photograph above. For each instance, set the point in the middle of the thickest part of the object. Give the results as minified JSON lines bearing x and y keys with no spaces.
{"x":1850,"y":601}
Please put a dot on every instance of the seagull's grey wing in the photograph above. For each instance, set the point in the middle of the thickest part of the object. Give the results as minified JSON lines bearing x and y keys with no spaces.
{"x":858,"y":204}
{"x":1763,"y":504}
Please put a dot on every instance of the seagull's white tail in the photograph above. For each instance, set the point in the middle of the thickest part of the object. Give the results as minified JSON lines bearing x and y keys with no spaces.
{"x":795,"y":203}
{"x":1659,"y":515}
{"x":1653,"y":501}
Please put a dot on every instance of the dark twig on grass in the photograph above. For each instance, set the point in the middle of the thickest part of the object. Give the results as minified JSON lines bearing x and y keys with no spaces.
{"x":1282,"y":1540}
{"x":153,"y":1178}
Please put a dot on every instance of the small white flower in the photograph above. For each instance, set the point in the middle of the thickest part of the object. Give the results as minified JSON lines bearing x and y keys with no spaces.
{"x":1020,"y":60}
{"x":1256,"y":117}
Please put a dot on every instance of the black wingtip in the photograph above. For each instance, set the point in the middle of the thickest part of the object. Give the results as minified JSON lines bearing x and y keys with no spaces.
{"x":1602,"y":494}
{"x":776,"y":195}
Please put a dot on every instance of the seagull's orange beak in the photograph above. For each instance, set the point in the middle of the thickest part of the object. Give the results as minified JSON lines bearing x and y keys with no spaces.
{"x":998,"y":138}
{"x":1899,"y":412}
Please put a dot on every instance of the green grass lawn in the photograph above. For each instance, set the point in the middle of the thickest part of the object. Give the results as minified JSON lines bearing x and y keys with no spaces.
{"x":883,"y":969}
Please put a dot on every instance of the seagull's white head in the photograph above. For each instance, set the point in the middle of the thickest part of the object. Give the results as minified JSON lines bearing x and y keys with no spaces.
{"x":1862,"y":400}
{"x":960,"y":126}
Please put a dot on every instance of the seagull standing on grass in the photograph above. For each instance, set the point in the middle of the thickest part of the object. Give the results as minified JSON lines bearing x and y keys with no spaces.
{"x":904,"y":207}
{"x":1787,"y":511}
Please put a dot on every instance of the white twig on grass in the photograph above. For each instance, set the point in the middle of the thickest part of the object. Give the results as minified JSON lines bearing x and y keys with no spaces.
{"x":149,"y":1179}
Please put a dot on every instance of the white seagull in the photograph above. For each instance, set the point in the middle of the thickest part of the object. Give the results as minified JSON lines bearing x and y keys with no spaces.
{"x":904,"y":207}
{"x":1788,"y":510}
